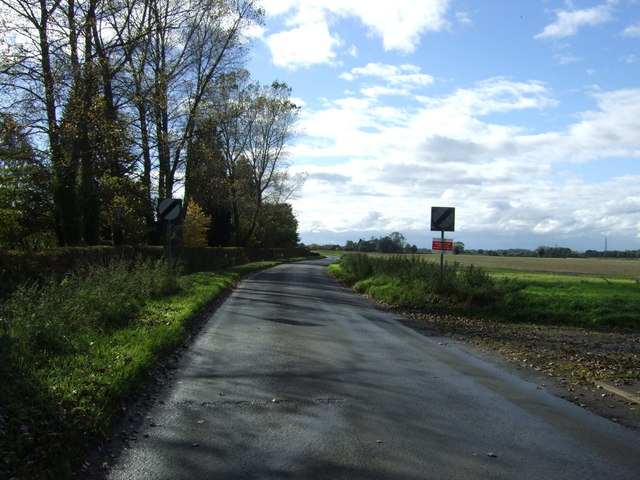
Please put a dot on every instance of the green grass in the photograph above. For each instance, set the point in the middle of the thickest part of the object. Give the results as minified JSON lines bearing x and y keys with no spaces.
{"x":591,"y":301}
{"x":587,"y":302}
{"x":74,"y":353}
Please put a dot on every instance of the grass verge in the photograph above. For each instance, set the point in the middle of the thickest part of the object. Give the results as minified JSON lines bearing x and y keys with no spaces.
{"x":74,"y":353}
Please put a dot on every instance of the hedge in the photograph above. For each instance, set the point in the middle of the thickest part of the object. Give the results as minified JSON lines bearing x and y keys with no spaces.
{"x":17,"y":268}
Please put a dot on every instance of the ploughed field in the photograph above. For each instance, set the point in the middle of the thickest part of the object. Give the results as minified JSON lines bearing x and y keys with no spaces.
{"x":618,"y":267}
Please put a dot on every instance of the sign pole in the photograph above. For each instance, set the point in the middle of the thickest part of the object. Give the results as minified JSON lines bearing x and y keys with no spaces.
{"x":168,"y":242}
{"x":442,"y":258}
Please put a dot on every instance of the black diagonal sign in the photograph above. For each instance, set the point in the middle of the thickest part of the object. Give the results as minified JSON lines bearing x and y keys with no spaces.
{"x":443,"y":219}
{"x":169,"y":209}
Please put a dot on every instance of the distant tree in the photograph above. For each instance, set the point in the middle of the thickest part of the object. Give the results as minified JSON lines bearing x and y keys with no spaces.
{"x":350,"y":246}
{"x":398,"y":240}
{"x":555,"y":252}
{"x":277,"y":226}
{"x":458,"y":248}
{"x":408,"y":248}
{"x":367,"y":245}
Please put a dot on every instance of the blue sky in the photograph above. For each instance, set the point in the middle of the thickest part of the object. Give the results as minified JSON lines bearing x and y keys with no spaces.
{"x":524,"y":115}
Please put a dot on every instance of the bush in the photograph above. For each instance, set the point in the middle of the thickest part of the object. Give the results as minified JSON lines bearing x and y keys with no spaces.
{"x":412,"y":281}
{"x":357,"y":264}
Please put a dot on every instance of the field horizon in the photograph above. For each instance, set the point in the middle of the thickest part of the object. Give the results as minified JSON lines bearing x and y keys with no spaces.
{"x":617,"y":267}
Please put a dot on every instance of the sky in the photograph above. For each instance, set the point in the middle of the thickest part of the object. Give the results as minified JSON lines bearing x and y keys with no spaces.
{"x":523,"y":115}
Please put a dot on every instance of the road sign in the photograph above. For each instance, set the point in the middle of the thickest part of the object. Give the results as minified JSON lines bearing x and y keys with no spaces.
{"x":169,"y":209}
{"x":443,"y":219}
{"x":442,"y":245}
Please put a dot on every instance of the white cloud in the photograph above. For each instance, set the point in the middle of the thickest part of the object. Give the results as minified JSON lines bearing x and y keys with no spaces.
{"x":399,"y":79}
{"x":400,"y":24}
{"x":497,"y":94}
{"x":632,"y":31}
{"x":389,"y":168}
{"x":464,"y":18}
{"x":610,"y":131}
{"x":307,"y":44}
{"x":563,"y":59}
{"x":568,"y":22}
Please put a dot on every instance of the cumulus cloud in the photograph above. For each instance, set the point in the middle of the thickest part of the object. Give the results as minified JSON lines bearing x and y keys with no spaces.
{"x":400,"y":24}
{"x":454,"y":150}
{"x":569,"y":22}
{"x":305,"y":45}
{"x":404,"y":76}
{"x":632,"y":31}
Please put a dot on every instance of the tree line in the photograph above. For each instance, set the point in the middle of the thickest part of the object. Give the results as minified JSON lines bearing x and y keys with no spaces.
{"x":392,"y":243}
{"x":107,"y":106}
{"x":556,"y":252}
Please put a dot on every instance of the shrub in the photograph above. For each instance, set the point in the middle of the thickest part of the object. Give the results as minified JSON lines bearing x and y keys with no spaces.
{"x":412,"y":281}
{"x":195,"y":227}
{"x":357,"y":264}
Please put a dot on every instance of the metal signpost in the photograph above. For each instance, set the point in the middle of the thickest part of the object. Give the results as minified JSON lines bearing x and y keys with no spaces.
{"x":169,"y":210}
{"x":443,"y":219}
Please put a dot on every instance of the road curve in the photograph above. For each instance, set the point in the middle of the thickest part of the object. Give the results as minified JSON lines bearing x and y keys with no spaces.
{"x":294,"y":377}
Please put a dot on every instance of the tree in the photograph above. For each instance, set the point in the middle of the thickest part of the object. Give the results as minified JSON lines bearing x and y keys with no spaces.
{"x":175,"y":68}
{"x":254,"y":124}
{"x":195,"y":226}
{"x":53,"y":74}
{"x":123,"y":216}
{"x":107,"y":83}
{"x":206,"y":182}
{"x":34,"y":79}
{"x":26,"y":203}
{"x":277,"y":226}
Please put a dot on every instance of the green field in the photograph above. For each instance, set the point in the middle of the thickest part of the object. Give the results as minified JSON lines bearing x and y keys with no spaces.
{"x":583,"y":291}
{"x":591,"y":293}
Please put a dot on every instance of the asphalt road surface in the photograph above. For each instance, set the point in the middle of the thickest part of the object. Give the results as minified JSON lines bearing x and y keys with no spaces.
{"x":294,"y":377}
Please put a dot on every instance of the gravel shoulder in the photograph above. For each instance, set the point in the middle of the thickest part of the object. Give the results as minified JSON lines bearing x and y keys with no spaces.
{"x":597,"y":370}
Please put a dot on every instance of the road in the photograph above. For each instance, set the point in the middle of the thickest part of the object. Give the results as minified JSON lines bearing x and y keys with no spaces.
{"x":295,"y":377}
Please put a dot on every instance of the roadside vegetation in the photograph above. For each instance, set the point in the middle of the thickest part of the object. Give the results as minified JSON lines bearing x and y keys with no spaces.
{"x":411,"y":282}
{"x":76,"y":352}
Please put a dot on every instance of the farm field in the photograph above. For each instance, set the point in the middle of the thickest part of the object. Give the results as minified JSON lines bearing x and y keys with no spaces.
{"x":608,"y":267}
{"x":579,"y":291}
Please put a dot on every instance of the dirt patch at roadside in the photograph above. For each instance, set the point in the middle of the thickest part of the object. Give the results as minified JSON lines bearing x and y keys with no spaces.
{"x":597,"y":370}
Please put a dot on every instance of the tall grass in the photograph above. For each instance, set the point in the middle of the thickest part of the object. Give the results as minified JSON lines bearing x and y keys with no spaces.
{"x":48,"y":317}
{"x":409,"y":281}
{"x":64,"y":362}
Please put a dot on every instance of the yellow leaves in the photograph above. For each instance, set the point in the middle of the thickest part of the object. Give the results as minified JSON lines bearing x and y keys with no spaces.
{"x":195,"y":227}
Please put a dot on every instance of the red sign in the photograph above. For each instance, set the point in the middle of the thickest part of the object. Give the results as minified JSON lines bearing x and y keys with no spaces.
{"x":442,"y":245}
